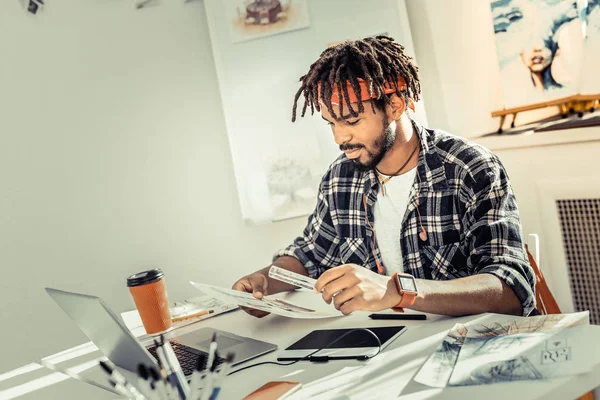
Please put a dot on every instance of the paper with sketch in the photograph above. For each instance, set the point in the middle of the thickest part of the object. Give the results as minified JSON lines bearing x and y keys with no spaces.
{"x":438,"y":368}
{"x":267,"y":303}
{"x":522,"y":348}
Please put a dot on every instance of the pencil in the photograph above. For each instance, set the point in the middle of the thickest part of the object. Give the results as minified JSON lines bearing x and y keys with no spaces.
{"x":198,"y":314}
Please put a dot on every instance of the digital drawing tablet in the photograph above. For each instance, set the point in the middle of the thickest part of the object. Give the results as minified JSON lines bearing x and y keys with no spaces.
{"x":356,"y":345}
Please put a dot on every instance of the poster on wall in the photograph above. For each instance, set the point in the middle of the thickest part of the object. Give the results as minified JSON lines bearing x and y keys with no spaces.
{"x":252,"y":19}
{"x":540,"y":49}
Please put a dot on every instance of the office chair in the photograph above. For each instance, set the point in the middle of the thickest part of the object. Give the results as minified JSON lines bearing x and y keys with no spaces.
{"x":545,"y":301}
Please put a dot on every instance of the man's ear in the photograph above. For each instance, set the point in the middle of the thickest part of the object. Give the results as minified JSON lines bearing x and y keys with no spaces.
{"x":397,"y":107}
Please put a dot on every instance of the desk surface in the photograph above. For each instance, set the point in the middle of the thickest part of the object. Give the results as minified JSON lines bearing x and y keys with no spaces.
{"x":393,"y":372}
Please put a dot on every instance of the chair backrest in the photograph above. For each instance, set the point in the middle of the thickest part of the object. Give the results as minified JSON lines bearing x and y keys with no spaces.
{"x":546,"y":303}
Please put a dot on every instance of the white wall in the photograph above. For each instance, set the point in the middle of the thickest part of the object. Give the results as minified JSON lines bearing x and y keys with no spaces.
{"x":113,"y":158}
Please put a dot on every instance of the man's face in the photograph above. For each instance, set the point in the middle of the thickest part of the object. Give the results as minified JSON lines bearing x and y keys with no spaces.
{"x":365,"y":139}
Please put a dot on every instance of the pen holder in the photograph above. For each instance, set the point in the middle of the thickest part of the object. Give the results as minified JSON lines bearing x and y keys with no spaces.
{"x":149,"y":293}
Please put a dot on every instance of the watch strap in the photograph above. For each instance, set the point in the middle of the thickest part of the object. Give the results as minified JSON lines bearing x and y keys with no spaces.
{"x":407,"y":298}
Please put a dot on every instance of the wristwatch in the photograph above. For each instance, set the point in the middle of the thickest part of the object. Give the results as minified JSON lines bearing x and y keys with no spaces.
{"x":407,"y":288}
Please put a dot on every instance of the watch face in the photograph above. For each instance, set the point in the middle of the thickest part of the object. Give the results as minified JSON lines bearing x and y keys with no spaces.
{"x":407,"y":283}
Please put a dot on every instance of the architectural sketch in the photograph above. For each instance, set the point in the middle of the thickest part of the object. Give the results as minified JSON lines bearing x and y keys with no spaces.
{"x":508,"y":350}
{"x":505,"y":371}
{"x":438,"y":369}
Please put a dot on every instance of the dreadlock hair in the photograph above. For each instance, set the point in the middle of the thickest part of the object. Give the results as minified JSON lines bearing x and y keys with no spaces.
{"x":376,"y":60}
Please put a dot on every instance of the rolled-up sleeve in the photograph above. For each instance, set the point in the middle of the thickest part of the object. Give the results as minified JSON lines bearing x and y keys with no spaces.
{"x":318,"y":246}
{"x":493,"y":232}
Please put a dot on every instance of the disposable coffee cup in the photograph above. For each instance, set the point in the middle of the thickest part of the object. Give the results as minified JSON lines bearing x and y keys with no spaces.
{"x":149,"y":293}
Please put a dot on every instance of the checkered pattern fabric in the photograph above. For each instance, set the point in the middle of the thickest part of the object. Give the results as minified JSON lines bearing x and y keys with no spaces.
{"x":467,"y":208}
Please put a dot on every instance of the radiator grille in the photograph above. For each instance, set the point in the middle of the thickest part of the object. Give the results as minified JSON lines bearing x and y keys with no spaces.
{"x":580,"y":225}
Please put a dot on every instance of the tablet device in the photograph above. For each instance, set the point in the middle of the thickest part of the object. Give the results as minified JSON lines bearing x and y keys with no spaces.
{"x":356,"y":345}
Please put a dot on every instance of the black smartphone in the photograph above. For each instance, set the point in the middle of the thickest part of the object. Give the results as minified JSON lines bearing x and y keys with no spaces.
{"x":398,"y":316}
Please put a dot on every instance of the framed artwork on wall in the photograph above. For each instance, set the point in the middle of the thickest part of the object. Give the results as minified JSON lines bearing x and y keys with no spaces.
{"x":546,"y":52}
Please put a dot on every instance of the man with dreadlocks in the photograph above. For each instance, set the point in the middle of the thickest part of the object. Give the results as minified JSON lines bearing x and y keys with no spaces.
{"x":406,"y":217}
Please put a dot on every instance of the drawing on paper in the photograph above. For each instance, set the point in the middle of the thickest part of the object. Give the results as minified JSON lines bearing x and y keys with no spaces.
{"x":518,"y":349}
{"x":251,"y":19}
{"x":438,"y":369}
{"x":292,"y":187}
{"x":505,"y":371}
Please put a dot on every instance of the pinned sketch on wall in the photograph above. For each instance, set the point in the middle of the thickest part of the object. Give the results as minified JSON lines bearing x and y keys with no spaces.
{"x":293,"y":183}
{"x":252,"y":19}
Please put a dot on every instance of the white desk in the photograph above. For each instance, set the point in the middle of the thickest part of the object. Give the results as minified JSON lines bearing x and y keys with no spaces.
{"x":399,"y":362}
{"x":34,"y":381}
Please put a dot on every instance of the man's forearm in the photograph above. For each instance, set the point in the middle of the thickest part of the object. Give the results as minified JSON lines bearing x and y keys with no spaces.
{"x":471,"y":295}
{"x":285,"y":262}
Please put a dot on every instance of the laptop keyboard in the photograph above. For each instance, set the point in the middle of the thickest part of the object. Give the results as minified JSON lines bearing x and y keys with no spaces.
{"x":187,"y":357}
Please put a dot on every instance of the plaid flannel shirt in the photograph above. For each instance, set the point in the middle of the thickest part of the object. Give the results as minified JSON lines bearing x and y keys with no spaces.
{"x":467,"y":208}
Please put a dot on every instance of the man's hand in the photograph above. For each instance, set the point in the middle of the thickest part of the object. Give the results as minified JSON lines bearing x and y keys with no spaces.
{"x":352,"y":288}
{"x":257,"y":284}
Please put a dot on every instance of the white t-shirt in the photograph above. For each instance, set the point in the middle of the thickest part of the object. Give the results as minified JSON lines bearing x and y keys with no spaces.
{"x":388,"y":213}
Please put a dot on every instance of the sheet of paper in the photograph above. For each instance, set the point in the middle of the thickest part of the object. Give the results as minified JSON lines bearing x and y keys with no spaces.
{"x":268,"y":303}
{"x":438,"y":368}
{"x":509,"y":348}
{"x":292,"y":278}
{"x":523,"y":356}
{"x":133,"y":321}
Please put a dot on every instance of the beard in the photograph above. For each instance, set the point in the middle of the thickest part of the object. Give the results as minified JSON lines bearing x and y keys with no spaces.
{"x":381,"y":145}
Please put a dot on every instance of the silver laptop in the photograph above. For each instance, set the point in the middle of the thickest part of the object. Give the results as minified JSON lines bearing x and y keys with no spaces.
{"x":115,"y":341}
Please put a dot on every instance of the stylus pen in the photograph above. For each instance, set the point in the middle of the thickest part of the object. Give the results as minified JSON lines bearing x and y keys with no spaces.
{"x":211,"y":378}
{"x":171,"y":375}
{"x":221,"y":375}
{"x":208,"y":386}
{"x":400,"y":316}
{"x":196,"y":380}
{"x":120,"y":379}
{"x":159,"y":383}
{"x":143,"y":383}
{"x":182,"y":385}
{"x":212,"y":351}
{"x":169,"y":383}
{"x":120,"y":389}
